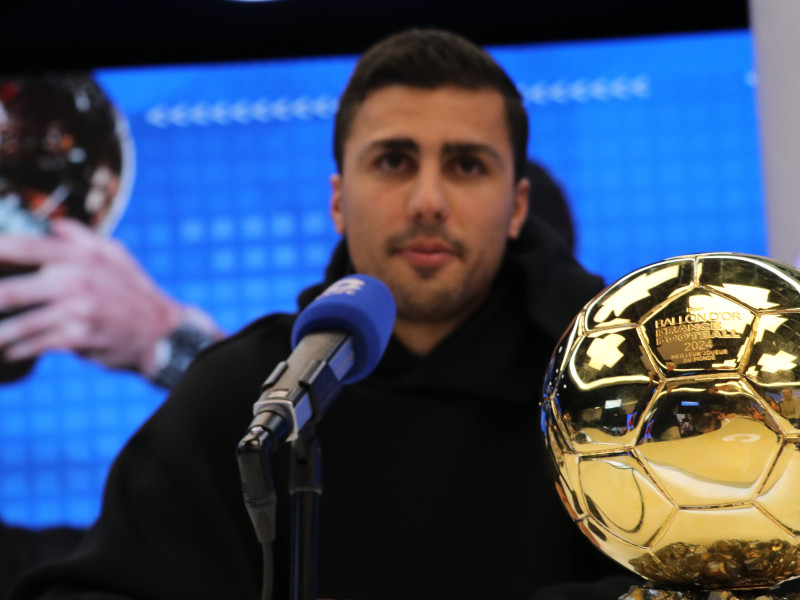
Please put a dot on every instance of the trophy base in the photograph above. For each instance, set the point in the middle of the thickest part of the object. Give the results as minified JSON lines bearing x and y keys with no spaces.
{"x":648,"y":593}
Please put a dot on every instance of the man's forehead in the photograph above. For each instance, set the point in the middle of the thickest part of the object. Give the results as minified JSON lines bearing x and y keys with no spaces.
{"x":448,"y":117}
{"x":453,"y":93}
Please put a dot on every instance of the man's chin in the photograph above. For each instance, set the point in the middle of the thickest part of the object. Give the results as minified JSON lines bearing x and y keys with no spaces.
{"x":427,"y":273}
{"x":427,"y":305}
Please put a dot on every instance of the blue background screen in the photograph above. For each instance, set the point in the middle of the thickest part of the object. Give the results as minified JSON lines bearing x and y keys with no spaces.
{"x":653,"y":141}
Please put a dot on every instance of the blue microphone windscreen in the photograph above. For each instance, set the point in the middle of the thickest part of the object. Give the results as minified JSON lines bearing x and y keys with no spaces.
{"x":360,"y":305}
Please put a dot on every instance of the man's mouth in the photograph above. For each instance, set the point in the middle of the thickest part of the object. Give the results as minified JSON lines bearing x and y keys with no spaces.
{"x":426,"y":253}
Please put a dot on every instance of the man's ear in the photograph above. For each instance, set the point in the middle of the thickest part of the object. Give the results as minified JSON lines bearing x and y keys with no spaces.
{"x":337,"y":204}
{"x":520,"y":208}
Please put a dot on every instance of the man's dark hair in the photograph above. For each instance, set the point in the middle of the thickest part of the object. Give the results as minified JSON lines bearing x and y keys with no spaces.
{"x":430,"y":59}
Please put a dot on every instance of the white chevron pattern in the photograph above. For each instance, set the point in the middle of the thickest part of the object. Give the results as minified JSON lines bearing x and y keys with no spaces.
{"x":243,"y":111}
{"x":583,"y":90}
{"x":264,"y":110}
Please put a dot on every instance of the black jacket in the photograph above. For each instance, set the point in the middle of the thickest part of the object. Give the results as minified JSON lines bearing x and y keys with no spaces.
{"x":435,"y":484}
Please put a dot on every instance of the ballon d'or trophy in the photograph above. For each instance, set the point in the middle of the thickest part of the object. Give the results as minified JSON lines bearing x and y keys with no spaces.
{"x":671,"y":414}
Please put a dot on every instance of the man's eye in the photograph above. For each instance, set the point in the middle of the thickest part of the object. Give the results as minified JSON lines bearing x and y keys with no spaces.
{"x":468,"y":165}
{"x":393,"y":161}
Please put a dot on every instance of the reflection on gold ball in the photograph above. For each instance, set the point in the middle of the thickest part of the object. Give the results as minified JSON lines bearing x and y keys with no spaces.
{"x":672,"y":415}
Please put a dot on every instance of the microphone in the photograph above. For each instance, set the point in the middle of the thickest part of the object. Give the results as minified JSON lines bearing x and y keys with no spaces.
{"x":337,"y":340}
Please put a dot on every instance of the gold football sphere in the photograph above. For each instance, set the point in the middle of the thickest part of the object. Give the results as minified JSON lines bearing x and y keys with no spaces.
{"x":671,"y":413}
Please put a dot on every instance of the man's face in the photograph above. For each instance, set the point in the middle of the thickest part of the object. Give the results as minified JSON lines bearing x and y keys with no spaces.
{"x":427,"y":197}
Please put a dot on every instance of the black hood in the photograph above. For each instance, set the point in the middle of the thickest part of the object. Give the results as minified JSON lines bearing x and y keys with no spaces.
{"x":556,"y":285}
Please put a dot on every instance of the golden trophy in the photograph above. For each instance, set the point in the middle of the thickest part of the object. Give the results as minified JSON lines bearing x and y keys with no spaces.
{"x":671,"y":413}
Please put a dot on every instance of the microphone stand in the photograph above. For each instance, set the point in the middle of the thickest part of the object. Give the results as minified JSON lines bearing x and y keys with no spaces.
{"x":258,"y":488}
{"x":260,"y":495}
{"x":305,"y":489}
{"x":274,"y":421}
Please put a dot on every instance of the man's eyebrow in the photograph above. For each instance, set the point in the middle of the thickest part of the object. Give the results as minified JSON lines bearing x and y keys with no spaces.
{"x":396,"y":144}
{"x":451,"y":148}
{"x":448,"y":149}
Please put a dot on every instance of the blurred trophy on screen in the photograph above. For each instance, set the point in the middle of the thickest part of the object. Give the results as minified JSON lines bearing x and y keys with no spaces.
{"x":65,"y":151}
{"x":671,"y":413}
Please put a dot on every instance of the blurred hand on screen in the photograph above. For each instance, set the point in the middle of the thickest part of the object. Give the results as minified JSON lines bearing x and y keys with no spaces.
{"x":83,"y":292}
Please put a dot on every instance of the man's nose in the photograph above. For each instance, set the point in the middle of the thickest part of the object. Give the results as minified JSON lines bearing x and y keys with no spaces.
{"x":428,"y":203}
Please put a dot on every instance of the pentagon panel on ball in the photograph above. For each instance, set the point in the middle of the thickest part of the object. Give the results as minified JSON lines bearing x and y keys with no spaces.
{"x":671,"y":412}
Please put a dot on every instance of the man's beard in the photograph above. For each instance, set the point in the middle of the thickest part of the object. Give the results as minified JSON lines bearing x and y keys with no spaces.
{"x":426,"y":300}
{"x":427,"y":306}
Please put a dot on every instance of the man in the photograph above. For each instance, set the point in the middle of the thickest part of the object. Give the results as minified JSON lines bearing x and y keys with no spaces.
{"x":71,"y":301}
{"x":434,"y":482}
